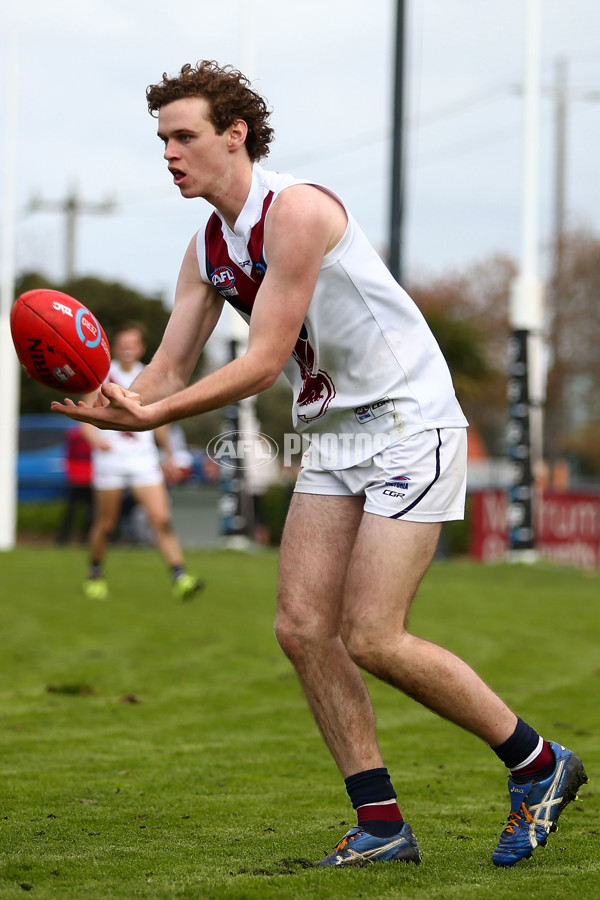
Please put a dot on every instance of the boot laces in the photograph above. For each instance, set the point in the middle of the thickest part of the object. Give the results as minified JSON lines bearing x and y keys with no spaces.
{"x":515,"y":817}
{"x":345,"y":841}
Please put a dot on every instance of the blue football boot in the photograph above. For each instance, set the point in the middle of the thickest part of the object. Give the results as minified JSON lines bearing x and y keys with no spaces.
{"x":536,"y":806}
{"x":358,"y":848}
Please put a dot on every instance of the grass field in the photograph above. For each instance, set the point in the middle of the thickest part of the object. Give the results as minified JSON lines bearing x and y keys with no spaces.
{"x":153,"y":749}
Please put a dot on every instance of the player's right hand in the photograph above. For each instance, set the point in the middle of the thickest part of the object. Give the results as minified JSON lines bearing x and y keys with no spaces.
{"x":103,"y":400}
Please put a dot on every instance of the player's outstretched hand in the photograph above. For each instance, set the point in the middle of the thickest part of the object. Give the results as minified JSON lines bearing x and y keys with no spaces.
{"x":114,"y":408}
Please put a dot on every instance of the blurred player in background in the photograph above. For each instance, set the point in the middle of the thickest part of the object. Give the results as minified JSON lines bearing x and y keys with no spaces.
{"x":78,"y":469}
{"x":130,"y":461}
{"x":386,"y":464}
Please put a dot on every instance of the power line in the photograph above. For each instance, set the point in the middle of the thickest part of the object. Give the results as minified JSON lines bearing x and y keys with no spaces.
{"x":72,"y":208}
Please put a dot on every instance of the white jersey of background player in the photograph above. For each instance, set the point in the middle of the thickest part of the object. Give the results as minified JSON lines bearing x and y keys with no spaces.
{"x":132,"y":452}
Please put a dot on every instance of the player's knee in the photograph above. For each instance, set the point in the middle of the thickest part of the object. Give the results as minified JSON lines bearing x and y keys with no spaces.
{"x":295,"y":636}
{"x":286,"y":634}
{"x":366,"y":645}
{"x":163,"y":526}
{"x":356,"y":646}
{"x":106,"y":526}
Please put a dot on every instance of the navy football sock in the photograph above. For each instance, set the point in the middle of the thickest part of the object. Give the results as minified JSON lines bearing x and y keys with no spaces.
{"x":373,"y":797}
{"x":527,"y":755}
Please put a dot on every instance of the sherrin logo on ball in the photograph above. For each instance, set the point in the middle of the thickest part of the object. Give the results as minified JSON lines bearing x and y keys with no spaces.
{"x":59,"y":342}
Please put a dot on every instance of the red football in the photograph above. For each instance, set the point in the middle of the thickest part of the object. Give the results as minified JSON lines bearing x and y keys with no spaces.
{"x":59,"y":342}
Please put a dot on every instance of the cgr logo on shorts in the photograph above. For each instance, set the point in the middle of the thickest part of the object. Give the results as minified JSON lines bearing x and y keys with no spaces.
{"x":396,"y":485}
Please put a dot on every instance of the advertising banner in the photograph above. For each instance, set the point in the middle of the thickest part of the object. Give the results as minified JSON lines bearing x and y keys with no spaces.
{"x":567,"y":527}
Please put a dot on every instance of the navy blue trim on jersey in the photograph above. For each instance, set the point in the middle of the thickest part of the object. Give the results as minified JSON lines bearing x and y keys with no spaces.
{"x":239,"y":304}
{"x":429,"y":486}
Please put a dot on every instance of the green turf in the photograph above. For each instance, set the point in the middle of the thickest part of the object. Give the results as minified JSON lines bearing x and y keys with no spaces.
{"x":158,"y":749}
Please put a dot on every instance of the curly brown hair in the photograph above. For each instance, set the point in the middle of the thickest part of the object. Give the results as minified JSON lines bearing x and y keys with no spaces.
{"x":229,"y":94}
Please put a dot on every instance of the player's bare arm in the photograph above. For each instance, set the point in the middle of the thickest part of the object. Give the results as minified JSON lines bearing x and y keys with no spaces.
{"x":195,"y":313}
{"x":303,"y":225}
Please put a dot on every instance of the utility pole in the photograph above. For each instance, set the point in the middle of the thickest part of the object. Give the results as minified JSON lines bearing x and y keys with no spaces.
{"x":71,"y":207}
{"x":560,"y":125}
{"x":562,"y":95}
{"x":397,"y":191}
{"x":526,"y":318}
{"x":236,"y":506}
{"x":554,"y":416}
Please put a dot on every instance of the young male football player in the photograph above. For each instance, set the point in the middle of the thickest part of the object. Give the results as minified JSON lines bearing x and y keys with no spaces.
{"x":386,"y":462}
{"x":129,"y":461}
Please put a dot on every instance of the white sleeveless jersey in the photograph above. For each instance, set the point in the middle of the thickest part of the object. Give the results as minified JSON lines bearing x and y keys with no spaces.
{"x":128,"y":442}
{"x":366,"y":369}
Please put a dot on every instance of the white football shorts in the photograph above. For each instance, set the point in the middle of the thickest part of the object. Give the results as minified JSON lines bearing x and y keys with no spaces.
{"x":422,"y":478}
{"x":113,"y":470}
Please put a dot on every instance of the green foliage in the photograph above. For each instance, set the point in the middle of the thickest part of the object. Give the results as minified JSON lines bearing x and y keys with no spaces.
{"x":274,"y":411}
{"x":465,"y":350}
{"x":39,"y":520}
{"x":153,"y":749}
{"x":455,"y":538}
{"x":199,"y":430}
{"x":274,"y":505}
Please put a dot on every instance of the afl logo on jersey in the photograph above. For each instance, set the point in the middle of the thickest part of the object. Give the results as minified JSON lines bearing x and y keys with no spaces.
{"x":223,"y":277}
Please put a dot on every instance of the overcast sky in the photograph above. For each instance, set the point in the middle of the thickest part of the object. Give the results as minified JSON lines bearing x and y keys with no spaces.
{"x":325,"y":66}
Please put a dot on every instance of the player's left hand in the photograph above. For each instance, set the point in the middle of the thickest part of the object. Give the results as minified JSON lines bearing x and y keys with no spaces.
{"x":115,"y":408}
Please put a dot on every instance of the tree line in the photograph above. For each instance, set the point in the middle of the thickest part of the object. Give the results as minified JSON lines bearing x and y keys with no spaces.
{"x":467,"y":311}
